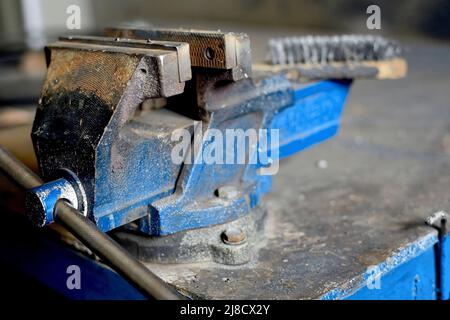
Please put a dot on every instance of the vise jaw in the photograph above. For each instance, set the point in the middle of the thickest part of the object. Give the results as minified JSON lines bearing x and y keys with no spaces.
{"x":94,"y":85}
{"x":226,"y":52}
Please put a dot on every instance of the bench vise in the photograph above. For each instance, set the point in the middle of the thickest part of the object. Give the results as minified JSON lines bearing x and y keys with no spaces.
{"x":114,"y":112}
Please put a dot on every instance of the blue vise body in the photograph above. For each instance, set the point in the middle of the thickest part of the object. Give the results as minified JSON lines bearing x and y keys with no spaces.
{"x":92,"y":124}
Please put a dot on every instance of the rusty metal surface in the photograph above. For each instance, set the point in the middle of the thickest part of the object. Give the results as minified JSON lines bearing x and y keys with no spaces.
{"x":105,"y":74}
{"x":209,"y":49}
{"x":181,"y":48}
{"x":388,"y":170}
{"x":91,"y":90}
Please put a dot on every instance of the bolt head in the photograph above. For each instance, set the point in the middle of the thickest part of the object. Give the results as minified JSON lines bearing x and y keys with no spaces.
{"x":233,"y":236}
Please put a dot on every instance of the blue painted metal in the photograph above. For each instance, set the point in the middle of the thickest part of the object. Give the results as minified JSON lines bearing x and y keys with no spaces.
{"x":413,"y":280}
{"x":409,"y":274}
{"x":444,"y":267}
{"x":49,"y":193}
{"x":314,"y":116}
{"x":129,"y":181}
{"x":48,"y":261}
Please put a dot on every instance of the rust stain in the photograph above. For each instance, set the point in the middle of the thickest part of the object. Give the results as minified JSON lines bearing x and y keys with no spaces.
{"x":103,"y":73}
{"x":200,"y":44}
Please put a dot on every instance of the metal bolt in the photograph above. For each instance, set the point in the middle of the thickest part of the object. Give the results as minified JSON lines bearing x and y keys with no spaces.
{"x":233,"y":236}
{"x":440,"y":220}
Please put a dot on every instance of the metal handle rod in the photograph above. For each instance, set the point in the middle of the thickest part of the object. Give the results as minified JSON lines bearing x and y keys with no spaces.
{"x":17,"y":171}
{"x":86,"y":231}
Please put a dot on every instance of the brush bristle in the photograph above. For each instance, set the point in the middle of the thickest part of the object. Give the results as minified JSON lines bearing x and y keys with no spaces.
{"x":326,"y":49}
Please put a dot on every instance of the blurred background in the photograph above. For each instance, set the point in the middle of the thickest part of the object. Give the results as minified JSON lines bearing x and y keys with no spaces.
{"x":47,"y":18}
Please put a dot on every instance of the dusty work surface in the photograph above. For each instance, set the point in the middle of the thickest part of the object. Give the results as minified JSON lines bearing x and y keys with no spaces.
{"x":385,"y":172}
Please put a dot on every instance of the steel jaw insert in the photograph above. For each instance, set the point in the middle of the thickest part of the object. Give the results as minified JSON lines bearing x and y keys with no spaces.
{"x":227,"y":52}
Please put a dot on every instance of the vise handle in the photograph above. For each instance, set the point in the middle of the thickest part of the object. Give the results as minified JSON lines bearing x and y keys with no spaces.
{"x":98,"y":242}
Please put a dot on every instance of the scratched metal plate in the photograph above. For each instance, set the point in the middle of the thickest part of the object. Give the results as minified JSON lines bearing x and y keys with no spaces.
{"x":388,"y":169}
